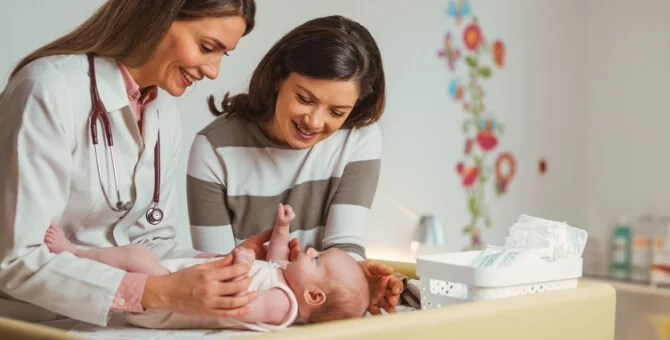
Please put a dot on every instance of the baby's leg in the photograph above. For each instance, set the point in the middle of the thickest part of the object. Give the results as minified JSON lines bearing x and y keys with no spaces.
{"x":131,"y":258}
{"x":278,"y":249}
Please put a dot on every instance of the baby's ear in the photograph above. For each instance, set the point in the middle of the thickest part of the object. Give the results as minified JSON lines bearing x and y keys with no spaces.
{"x":314,"y":296}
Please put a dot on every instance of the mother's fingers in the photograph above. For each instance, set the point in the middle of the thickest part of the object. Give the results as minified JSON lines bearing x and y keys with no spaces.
{"x":294,"y":246}
{"x":374,"y":310}
{"x":389,"y":308}
{"x":378,"y":269}
{"x":394,"y":286}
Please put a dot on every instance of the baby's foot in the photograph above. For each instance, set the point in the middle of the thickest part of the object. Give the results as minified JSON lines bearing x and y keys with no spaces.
{"x":285,"y":215}
{"x":243,"y":255}
{"x":57,"y":242}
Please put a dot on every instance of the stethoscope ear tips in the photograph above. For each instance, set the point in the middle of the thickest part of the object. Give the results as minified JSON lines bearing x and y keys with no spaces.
{"x":124,"y":206}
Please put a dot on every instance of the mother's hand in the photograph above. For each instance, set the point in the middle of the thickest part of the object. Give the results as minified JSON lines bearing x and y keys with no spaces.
{"x":385,"y":289}
{"x":206,"y":289}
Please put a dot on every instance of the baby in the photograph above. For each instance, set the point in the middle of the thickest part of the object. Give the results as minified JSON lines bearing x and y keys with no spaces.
{"x":316,"y":287}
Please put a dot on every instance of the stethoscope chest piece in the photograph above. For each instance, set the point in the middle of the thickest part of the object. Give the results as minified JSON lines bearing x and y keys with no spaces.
{"x":154,"y":215}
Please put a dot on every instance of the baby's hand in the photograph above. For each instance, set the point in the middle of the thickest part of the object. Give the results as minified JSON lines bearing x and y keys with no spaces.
{"x":285,"y":215}
{"x":243,"y":255}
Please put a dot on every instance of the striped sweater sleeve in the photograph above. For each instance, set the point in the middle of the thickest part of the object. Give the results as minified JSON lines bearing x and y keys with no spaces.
{"x":209,"y":215}
{"x":347,"y":214}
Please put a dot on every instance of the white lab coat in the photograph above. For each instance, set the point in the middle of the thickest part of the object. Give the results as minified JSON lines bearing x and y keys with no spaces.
{"x":48,"y":175}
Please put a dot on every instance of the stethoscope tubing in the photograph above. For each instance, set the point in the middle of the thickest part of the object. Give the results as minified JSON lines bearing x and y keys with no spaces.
{"x":154,"y":214}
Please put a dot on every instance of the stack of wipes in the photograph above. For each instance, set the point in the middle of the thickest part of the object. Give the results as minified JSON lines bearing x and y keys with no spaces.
{"x":534,"y":240}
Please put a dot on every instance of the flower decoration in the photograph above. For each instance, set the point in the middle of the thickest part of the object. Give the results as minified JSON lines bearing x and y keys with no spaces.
{"x":456,"y":89}
{"x":481,"y":129}
{"x":458,"y":9}
{"x":468,"y":174}
{"x":499,"y":53}
{"x":468,"y":145}
{"x":505,"y":169}
{"x":472,"y":37}
{"x":542,"y":166}
{"x":451,"y":53}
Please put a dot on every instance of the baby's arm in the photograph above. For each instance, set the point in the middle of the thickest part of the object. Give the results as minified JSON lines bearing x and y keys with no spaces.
{"x":271,"y":307}
{"x":278,"y":249}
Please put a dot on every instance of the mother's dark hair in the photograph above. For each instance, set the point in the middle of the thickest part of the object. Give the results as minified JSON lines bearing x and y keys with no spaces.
{"x":330,"y":47}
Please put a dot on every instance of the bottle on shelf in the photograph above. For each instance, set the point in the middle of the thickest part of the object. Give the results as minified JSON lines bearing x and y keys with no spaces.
{"x":621,"y":250}
{"x":660,"y":254}
{"x":641,"y":251}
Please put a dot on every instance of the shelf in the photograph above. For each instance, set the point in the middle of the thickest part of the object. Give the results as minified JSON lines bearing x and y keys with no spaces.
{"x":630,"y":286}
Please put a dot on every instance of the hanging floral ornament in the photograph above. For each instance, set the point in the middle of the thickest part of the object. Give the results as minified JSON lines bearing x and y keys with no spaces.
{"x":505,"y":169}
{"x":471,"y":58}
{"x":472,"y":37}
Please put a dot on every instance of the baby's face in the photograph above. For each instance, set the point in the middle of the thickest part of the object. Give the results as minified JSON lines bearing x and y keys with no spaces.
{"x":308,"y":269}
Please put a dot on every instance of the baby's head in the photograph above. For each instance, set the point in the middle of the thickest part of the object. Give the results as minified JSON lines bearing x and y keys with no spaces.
{"x":329,"y":285}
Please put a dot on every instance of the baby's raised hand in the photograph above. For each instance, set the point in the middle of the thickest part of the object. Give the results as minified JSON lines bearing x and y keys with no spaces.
{"x":285,"y":215}
{"x":243,"y":255}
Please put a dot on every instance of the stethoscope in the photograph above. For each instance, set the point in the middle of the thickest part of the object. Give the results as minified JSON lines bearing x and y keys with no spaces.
{"x":154,"y":213}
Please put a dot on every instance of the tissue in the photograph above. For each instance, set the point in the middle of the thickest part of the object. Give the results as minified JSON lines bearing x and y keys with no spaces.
{"x":533,"y":240}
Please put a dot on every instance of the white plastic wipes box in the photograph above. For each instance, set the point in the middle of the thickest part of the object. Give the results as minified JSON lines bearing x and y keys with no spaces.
{"x":539,"y":255}
{"x":451,"y":278}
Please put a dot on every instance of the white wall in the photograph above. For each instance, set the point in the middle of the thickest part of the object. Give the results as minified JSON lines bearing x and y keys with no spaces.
{"x":540,"y":96}
{"x":627,"y":116}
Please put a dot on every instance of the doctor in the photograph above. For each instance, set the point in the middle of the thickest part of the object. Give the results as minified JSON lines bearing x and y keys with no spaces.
{"x":121,"y":66}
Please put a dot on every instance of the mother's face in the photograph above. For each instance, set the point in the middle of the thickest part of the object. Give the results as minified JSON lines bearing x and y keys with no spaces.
{"x":190,"y":51}
{"x":309,"y":110}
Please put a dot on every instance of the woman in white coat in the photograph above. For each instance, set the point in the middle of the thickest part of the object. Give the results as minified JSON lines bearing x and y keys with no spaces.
{"x":136,"y":54}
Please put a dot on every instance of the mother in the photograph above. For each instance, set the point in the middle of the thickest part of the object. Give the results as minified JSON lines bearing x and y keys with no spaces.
{"x":306,"y":134}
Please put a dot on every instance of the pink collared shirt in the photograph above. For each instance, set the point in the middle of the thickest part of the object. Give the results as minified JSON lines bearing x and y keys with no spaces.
{"x":128,"y":296}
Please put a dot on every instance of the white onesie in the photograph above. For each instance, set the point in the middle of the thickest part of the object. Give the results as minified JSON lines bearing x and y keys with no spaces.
{"x":263,"y":275}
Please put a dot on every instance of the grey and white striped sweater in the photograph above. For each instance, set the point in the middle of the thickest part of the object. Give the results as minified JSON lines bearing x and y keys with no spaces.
{"x":237,"y":176}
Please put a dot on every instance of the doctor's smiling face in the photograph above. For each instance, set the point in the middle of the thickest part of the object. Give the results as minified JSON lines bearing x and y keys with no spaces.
{"x":190,"y":51}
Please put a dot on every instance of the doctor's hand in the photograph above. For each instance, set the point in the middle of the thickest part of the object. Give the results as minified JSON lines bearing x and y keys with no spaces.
{"x":206,"y":289}
{"x":385,"y":288}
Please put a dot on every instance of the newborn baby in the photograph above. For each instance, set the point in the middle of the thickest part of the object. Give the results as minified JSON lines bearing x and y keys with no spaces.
{"x":316,"y":287}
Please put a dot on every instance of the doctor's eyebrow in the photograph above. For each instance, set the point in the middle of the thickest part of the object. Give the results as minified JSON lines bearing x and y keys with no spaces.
{"x":219,"y":44}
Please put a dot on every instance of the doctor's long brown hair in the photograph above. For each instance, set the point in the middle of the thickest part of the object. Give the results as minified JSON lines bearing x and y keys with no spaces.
{"x":130,"y":30}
